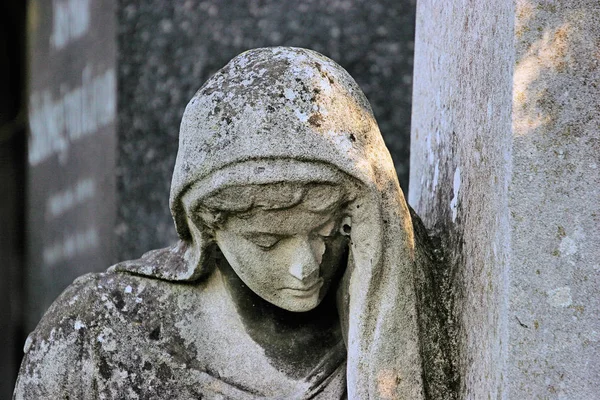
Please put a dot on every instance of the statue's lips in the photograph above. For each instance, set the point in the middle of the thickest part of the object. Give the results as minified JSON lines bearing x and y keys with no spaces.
{"x":305,"y":291}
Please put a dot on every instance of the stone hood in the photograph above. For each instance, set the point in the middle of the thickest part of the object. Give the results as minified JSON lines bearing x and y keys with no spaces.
{"x":281,"y":114}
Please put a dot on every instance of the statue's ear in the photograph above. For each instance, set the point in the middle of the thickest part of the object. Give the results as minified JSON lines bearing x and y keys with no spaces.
{"x":346,"y":226}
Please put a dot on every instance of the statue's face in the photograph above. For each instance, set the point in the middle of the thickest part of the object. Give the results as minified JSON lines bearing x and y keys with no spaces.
{"x":288,"y":257}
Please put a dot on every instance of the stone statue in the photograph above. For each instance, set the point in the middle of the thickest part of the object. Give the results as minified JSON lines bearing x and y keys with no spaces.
{"x":299,"y":274}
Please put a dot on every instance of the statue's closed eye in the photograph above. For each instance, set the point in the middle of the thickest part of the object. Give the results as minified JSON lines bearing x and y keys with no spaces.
{"x":263,"y":240}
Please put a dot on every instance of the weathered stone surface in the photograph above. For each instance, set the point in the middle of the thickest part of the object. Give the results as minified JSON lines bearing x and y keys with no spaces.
{"x":124,"y":336}
{"x":504,"y":164}
{"x":167,"y":49}
{"x":554,"y":338}
{"x":299,"y":273}
{"x":460,"y":166}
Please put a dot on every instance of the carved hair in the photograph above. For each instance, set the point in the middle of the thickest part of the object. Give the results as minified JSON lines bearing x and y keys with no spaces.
{"x":244,"y":200}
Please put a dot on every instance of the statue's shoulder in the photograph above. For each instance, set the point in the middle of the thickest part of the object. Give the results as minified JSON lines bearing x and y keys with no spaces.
{"x":167,"y":264}
{"x":71,"y":310}
{"x":99,"y":322}
{"x":100,"y":300}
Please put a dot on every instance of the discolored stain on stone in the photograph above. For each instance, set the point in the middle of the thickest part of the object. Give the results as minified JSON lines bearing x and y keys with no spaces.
{"x":316,"y":120}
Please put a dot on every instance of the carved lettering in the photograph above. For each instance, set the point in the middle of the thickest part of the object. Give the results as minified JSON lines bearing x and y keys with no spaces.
{"x":80,"y":112}
{"x":63,"y":201}
{"x":71,"y":20}
{"x":73,"y":244}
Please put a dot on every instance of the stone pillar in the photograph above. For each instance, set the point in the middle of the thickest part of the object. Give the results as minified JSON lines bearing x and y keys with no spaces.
{"x":71,"y":147}
{"x":167,"y":50}
{"x":554,"y":342}
{"x":504,"y":167}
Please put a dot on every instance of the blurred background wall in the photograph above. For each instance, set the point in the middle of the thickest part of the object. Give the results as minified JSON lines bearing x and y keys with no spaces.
{"x":71,"y":147}
{"x":99,"y":91}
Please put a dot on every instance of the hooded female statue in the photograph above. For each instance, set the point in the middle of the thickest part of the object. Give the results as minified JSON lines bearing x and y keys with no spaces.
{"x":299,"y":273}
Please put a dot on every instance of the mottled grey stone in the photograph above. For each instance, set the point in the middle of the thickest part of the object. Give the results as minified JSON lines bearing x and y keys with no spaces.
{"x":554,"y":293}
{"x":504,"y":164}
{"x":168,"y":49}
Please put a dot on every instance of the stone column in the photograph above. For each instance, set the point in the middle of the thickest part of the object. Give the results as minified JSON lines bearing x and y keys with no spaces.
{"x":504,"y":167}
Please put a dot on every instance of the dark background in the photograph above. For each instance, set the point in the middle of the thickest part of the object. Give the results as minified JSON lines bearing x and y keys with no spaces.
{"x":12,"y":190}
{"x":165,"y":50}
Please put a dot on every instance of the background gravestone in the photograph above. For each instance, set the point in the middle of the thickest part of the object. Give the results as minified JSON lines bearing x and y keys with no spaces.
{"x":167,"y":50}
{"x":71,"y":148}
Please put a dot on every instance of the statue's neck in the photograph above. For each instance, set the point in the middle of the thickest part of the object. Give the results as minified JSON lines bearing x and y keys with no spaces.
{"x":294,"y":342}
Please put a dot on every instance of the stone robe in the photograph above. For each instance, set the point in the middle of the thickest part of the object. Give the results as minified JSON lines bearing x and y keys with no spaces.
{"x":117,"y":335}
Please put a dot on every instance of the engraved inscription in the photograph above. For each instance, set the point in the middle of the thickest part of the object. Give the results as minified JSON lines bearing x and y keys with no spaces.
{"x":66,"y":199}
{"x":80,"y":112}
{"x":73,"y":244}
{"x":70,"y":21}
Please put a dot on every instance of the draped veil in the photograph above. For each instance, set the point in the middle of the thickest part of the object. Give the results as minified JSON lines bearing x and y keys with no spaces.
{"x":289,"y":114}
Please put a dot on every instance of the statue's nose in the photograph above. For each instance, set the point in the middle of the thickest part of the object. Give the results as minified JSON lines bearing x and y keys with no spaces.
{"x":305,"y":261}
